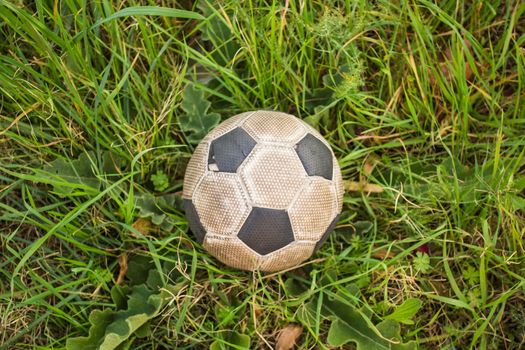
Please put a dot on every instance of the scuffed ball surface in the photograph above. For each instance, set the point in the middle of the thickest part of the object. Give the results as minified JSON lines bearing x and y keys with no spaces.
{"x":263,"y":190}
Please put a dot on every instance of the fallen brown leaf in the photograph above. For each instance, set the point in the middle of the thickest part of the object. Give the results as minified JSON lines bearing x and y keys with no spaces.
{"x":142,"y":225}
{"x":382,"y":254}
{"x":353,"y":186}
{"x":287,"y":337}
{"x":257,"y":311}
{"x":369,"y":164}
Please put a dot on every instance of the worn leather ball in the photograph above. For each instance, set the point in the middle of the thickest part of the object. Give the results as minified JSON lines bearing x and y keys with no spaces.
{"x":262,"y":190}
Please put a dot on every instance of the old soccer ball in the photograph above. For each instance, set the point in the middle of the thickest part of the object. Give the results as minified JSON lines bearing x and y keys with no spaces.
{"x":262,"y":190}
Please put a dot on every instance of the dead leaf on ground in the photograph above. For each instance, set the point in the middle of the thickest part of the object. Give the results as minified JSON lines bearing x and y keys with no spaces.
{"x":257,"y":311}
{"x":383,"y":254}
{"x":370,"y":163}
{"x":142,"y":225}
{"x":368,"y":167}
{"x":287,"y":337}
{"x":354,"y":186}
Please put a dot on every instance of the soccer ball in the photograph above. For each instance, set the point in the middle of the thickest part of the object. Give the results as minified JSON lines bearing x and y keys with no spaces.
{"x":263,"y":191}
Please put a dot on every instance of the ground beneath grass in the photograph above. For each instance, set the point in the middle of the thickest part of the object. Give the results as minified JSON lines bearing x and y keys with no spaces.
{"x":422,"y":102}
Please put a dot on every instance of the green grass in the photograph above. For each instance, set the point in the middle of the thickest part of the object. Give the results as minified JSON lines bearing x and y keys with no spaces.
{"x":423,"y":99}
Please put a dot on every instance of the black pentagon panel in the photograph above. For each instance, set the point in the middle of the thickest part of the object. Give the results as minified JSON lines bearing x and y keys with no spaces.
{"x":315,"y":156}
{"x":228,"y":151}
{"x":329,"y":230}
{"x":266,"y":230}
{"x":194,"y":221}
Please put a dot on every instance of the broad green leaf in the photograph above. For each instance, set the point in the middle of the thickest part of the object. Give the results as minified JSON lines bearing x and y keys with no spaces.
{"x":136,"y":304}
{"x":119,"y":295}
{"x":157,"y":207}
{"x":293,"y":288}
{"x":143,"y":331}
{"x":109,"y":329}
{"x":68,"y":176}
{"x":241,"y":341}
{"x":404,"y":312}
{"x":328,"y":277}
{"x":99,"y":320}
{"x":154,"y":280}
{"x":518,"y":203}
{"x":215,"y":30}
{"x":143,"y":305}
{"x":390,"y":329}
{"x":317,"y":99}
{"x":453,"y":168}
{"x":232,"y":340}
{"x":196,"y":122}
{"x":138,"y":269}
{"x":225,"y":314}
{"x":363,"y":227}
{"x":351,"y":325}
{"x":142,"y":270}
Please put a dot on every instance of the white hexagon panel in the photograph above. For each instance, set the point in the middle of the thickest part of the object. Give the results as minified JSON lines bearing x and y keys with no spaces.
{"x":270,"y":126}
{"x":273,"y":175}
{"x":313,"y":210}
{"x":221,"y":203}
